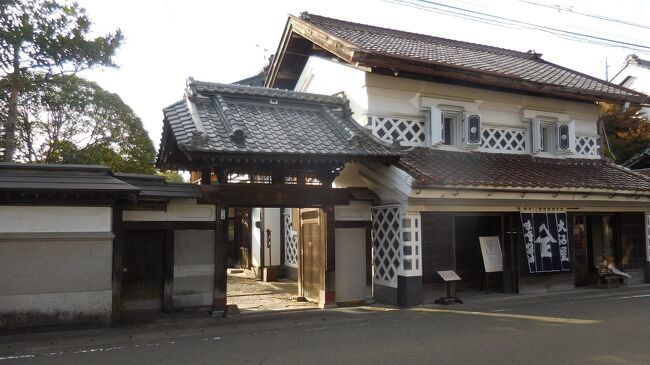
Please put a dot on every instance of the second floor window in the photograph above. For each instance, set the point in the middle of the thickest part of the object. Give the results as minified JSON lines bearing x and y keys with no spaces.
{"x":451,"y":129}
{"x":547,"y":137}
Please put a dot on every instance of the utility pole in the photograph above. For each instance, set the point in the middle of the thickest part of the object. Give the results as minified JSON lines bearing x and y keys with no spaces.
{"x":606,"y":70}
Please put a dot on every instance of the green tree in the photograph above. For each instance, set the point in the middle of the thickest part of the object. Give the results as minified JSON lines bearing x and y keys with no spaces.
{"x":72,"y":120}
{"x":172,"y":176}
{"x":40,"y":39}
{"x":628,"y":130}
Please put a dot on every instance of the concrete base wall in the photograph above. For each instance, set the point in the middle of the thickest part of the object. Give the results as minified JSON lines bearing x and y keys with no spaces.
{"x":34,"y":309}
{"x":544,"y":283}
{"x":291,"y":273}
{"x":409,"y":291}
{"x":385,"y":294}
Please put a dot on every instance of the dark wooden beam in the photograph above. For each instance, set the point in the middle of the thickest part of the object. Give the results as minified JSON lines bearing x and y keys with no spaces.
{"x":118,"y":248}
{"x":206,"y":178}
{"x":286,"y":75}
{"x":267,"y":195}
{"x":219,"y":299}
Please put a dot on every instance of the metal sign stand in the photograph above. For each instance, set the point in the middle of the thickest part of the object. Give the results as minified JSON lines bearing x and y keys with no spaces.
{"x":450,"y":278}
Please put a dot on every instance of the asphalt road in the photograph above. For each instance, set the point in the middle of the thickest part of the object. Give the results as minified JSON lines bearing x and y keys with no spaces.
{"x":593,"y":327}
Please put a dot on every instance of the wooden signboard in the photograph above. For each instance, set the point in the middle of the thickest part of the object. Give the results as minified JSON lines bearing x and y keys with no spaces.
{"x":449,"y":275}
{"x":491,"y":250}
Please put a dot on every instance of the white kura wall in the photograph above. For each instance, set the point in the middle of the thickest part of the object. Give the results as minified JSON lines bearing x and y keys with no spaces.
{"x":636,"y":78}
{"x":323,"y":76}
{"x":179,"y":210}
{"x":55,"y":264}
{"x":404,"y":97}
{"x":387,"y":96}
{"x":272,"y":217}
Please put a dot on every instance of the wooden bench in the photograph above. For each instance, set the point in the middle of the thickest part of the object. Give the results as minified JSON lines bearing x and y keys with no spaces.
{"x":609,"y":278}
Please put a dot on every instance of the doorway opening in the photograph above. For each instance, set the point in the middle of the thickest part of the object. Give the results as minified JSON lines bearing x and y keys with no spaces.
{"x":281,"y":258}
{"x":469,"y":258}
{"x":142,"y":270}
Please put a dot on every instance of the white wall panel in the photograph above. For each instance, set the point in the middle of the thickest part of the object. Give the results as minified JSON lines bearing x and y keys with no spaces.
{"x":55,"y":219}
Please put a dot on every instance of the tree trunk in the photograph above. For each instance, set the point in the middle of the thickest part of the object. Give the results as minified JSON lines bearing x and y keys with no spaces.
{"x":12,"y":113}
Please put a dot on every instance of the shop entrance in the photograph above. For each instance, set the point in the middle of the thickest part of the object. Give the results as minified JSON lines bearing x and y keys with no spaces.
{"x":617,"y":237}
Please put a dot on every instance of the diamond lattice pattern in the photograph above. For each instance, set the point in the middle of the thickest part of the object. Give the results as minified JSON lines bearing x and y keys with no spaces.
{"x":386,"y":241}
{"x":410,"y":132}
{"x":503,"y":139}
{"x":587,"y":145}
{"x":290,"y":241}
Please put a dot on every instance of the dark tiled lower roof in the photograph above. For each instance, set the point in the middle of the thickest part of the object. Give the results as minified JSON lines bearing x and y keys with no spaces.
{"x":155,"y":187}
{"x":59,"y":178}
{"x":271,"y":122}
{"x":436,"y":168}
{"x":435,"y":50}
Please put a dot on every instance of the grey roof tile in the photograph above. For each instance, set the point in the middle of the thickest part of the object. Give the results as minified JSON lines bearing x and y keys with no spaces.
{"x":425,"y":48}
{"x":274,"y":122}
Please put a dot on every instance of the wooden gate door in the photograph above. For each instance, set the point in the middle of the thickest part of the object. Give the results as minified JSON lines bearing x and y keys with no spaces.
{"x":312,"y":237}
{"x":142,"y":271}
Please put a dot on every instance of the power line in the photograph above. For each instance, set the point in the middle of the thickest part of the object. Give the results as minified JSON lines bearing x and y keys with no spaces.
{"x":595,"y":16}
{"x":537,"y":26}
{"x":516,"y":24}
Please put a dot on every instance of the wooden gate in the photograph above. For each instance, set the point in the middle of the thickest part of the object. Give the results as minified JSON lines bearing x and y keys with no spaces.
{"x":142,"y":270}
{"x":312,"y":238}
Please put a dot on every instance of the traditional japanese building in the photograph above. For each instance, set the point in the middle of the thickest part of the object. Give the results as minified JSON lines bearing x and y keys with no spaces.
{"x":260,"y":150}
{"x":495,"y":143}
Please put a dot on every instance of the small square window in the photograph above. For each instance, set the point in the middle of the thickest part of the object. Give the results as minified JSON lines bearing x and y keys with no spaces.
{"x":547,"y":137}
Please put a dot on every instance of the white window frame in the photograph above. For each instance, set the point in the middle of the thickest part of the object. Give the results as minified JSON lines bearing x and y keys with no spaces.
{"x":456,"y":123}
{"x":548,"y":137}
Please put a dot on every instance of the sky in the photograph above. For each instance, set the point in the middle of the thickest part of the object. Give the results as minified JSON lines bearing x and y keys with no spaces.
{"x":167,"y":41}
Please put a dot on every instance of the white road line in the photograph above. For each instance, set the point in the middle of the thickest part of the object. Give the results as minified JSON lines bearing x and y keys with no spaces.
{"x":633,"y":296}
{"x":509,"y":315}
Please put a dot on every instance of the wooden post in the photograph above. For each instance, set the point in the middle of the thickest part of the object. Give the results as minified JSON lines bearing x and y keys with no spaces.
{"x":282,"y":237}
{"x":168,"y":272}
{"x":220,"y":269}
{"x":206,"y":178}
{"x":330,"y":262}
{"x":117,"y":262}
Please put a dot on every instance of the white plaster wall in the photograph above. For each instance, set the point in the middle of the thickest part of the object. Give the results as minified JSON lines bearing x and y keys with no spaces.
{"x":55,"y":279}
{"x":272,"y":217}
{"x":350,"y":256}
{"x":640,"y":83}
{"x":177,"y":210}
{"x":323,"y":76}
{"x":642,"y":75}
{"x":355,"y":211}
{"x":391,"y":95}
{"x":55,"y":219}
{"x":255,"y":237}
{"x":391,"y":184}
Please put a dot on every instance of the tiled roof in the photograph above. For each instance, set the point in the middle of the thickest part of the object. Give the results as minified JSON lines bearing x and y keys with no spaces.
{"x":246,"y":121}
{"x":53,"y":178}
{"x":155,"y":187}
{"x":633,"y":59}
{"x":469,"y":56}
{"x":435,"y":168}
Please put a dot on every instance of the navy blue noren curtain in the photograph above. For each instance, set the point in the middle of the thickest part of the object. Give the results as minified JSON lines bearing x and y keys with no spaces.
{"x":546,"y":240}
